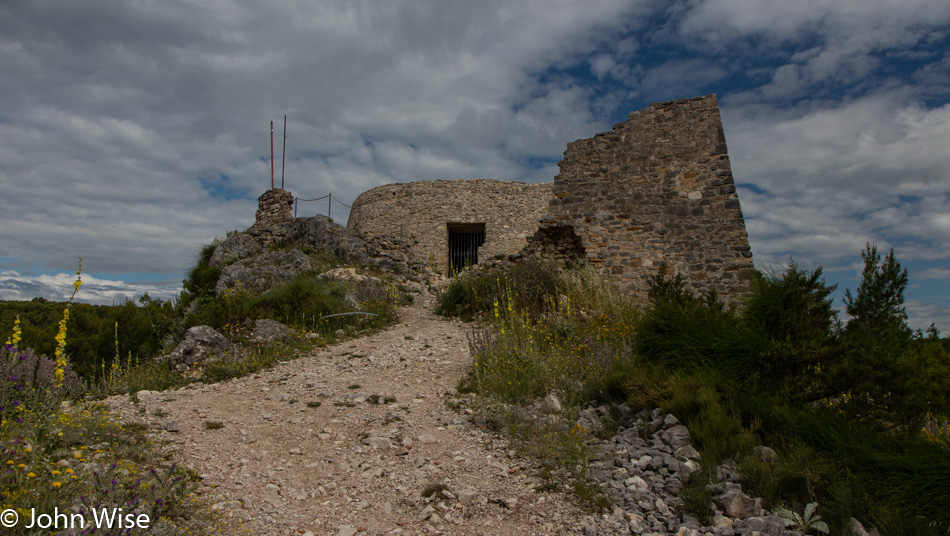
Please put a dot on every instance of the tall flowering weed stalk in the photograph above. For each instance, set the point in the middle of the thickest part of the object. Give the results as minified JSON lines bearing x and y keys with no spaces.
{"x":78,"y":457}
{"x":114,"y":379}
{"x":379,"y":298}
{"x":534,"y":347}
{"x":61,"y":361}
{"x":33,"y":387}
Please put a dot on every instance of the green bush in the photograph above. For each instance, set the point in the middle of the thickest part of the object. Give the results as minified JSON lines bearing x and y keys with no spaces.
{"x":699,"y":332}
{"x":529,"y":286}
{"x":794,"y":306}
{"x":777,"y":370}
{"x":877,"y":306}
{"x":142,"y":330}
{"x":851,"y":468}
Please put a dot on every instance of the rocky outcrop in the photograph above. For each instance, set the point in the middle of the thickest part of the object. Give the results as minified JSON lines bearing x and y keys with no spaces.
{"x":318,"y":232}
{"x":202,"y":345}
{"x":235,"y":247}
{"x":263,"y":271}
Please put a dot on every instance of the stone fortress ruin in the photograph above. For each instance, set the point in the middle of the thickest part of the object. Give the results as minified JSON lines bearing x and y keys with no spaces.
{"x":656,"y":191}
{"x":449,"y":225}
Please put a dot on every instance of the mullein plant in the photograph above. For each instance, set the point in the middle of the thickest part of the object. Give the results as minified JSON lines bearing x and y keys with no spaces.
{"x":32,"y":389}
{"x":79,"y":458}
{"x":61,"y":362}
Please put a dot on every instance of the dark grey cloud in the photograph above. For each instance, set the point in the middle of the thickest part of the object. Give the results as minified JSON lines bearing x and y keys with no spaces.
{"x":133,"y":131}
{"x":122,"y":120}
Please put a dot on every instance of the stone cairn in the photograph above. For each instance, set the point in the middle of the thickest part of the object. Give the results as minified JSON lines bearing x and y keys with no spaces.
{"x":275,"y":210}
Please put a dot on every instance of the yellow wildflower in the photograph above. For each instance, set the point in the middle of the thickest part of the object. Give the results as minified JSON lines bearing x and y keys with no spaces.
{"x":57,"y":484}
{"x":15,"y":338}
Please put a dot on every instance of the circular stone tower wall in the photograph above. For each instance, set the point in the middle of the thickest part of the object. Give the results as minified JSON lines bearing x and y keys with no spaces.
{"x":425,"y":217}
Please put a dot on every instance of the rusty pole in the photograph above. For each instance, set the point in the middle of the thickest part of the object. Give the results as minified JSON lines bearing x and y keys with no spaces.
{"x":271,"y":155}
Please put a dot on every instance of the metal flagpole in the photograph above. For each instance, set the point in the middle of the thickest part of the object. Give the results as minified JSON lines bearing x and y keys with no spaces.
{"x":271,"y":155}
{"x":283,"y":153}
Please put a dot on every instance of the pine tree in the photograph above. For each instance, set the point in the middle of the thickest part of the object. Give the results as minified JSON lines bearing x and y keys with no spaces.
{"x":877,"y":307}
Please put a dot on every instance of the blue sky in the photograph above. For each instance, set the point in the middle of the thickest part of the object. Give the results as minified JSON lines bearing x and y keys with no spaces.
{"x":132,"y":132}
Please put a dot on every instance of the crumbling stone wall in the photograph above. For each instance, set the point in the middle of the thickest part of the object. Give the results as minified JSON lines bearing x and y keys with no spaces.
{"x":414,"y":217}
{"x":275,"y":210}
{"x":656,"y":190}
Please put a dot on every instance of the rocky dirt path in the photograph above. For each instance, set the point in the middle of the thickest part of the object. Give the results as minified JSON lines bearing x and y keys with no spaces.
{"x":359,"y":462}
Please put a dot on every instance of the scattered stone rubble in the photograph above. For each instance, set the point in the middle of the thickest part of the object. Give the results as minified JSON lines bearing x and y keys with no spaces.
{"x":642,"y":470}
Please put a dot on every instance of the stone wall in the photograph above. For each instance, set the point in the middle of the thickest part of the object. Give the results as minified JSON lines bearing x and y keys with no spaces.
{"x":275,"y":209}
{"x":414,"y":217}
{"x":657,"y":190}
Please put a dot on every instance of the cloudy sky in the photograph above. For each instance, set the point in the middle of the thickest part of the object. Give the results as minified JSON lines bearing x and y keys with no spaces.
{"x":133,"y":131}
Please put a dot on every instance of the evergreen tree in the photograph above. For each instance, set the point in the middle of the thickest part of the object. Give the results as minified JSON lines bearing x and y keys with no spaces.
{"x":877,"y":307}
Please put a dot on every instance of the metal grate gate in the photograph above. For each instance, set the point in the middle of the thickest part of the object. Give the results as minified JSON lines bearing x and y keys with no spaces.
{"x":464,"y":241}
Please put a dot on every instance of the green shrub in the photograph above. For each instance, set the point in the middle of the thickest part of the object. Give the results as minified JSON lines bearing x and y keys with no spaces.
{"x":852,"y":468}
{"x":715,"y":427}
{"x":303,"y":297}
{"x":794,"y":306}
{"x":530,"y":287}
{"x":142,"y":330}
{"x":699,"y":333}
{"x":697,"y":498}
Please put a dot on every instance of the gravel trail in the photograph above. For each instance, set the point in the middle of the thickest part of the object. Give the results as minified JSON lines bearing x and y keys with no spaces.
{"x":357,"y":463}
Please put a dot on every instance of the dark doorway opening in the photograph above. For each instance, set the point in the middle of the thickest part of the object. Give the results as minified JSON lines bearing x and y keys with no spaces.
{"x":464,"y":241}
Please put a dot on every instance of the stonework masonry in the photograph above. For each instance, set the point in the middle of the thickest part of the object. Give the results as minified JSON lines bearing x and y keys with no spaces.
{"x":275,"y":209}
{"x":657,"y":190}
{"x":417,"y":216}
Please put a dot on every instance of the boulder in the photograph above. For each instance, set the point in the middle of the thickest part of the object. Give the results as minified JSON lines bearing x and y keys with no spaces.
{"x":234,"y":248}
{"x":736,"y":504}
{"x":320,"y":233}
{"x":676,"y":436}
{"x":271,"y":331}
{"x":264,"y":271}
{"x":551,"y":404}
{"x":765,"y":454}
{"x":202,"y":345}
{"x":766,"y":525}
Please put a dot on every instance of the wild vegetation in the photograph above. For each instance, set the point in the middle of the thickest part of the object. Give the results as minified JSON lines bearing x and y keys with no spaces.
{"x":112,"y":347}
{"x":78,"y":458}
{"x":855,"y":409}
{"x":59,"y":448}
